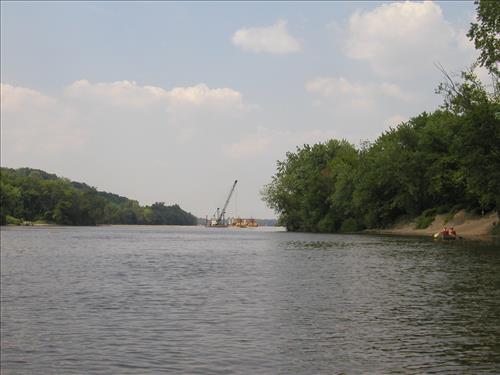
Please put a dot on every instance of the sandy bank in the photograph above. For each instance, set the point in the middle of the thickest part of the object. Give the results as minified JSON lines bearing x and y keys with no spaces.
{"x":466,"y":225}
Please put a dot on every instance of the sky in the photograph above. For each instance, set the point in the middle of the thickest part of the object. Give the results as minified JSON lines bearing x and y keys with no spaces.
{"x":172,"y":101}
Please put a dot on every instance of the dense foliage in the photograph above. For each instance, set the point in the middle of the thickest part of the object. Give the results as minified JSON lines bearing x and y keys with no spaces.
{"x":34,"y":195}
{"x":484,"y":33}
{"x":434,"y":163}
{"x":438,"y":161}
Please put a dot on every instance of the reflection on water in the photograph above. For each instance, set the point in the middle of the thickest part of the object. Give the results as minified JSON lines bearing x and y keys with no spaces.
{"x":204,"y":300}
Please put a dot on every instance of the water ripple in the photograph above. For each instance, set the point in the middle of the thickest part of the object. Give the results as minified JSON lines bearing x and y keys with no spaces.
{"x":200,"y":301}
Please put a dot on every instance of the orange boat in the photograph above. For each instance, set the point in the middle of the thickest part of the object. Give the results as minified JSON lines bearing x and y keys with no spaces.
{"x":447,"y":235}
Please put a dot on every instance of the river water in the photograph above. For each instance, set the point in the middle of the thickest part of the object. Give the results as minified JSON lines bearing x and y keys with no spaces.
{"x":193,"y":300}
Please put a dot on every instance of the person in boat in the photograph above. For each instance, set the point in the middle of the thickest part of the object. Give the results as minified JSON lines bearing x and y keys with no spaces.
{"x":447,"y":234}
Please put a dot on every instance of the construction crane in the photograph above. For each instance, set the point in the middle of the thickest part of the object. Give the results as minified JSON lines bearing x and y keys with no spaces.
{"x":220,"y":215}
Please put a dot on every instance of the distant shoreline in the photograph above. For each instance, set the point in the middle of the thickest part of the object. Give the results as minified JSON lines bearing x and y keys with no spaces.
{"x":466,"y":225}
{"x":26,"y":224}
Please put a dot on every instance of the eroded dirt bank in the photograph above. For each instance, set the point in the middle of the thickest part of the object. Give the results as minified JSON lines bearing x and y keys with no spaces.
{"x":465,"y":225}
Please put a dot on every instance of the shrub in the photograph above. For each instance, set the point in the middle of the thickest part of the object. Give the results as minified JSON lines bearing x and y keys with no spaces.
{"x":326,"y":225}
{"x":11,"y":220}
{"x":496,"y":229}
{"x":426,"y":218}
{"x":349,"y":226}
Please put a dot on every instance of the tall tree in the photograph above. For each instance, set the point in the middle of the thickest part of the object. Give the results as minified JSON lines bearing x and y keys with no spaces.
{"x":485,"y":34}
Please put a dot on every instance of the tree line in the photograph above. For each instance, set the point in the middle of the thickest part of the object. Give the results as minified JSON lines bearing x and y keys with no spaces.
{"x":36,"y":196}
{"x":434,"y":163}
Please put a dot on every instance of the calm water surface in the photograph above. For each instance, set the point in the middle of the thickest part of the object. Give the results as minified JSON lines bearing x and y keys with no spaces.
{"x":221,"y":301}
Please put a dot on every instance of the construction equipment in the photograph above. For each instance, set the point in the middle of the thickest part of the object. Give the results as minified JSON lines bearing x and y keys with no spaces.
{"x":220,"y":219}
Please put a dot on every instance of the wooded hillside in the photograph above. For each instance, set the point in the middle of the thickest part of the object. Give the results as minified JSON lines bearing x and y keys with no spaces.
{"x":34,"y":195}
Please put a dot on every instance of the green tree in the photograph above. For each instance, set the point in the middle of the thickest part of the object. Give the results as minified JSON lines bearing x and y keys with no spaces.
{"x":10,"y":201}
{"x":33,"y":194}
{"x":485,"y":34}
{"x":477,"y":145}
{"x":302,"y":191}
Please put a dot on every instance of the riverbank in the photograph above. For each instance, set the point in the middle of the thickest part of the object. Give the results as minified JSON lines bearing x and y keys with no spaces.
{"x":466,"y":225}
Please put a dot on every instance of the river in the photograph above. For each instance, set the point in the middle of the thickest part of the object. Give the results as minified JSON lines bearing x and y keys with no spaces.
{"x":194,"y":300}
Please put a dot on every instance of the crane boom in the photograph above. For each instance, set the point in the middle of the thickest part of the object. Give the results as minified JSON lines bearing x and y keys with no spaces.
{"x":220,"y":218}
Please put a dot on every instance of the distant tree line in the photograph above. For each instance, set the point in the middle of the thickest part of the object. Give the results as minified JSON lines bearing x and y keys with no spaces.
{"x":434,"y":163}
{"x":34,"y":195}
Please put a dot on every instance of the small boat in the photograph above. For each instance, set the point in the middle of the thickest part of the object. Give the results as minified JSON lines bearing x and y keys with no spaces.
{"x":445,"y":236}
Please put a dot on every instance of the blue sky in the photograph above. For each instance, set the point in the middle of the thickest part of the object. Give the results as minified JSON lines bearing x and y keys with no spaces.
{"x":171,"y":101}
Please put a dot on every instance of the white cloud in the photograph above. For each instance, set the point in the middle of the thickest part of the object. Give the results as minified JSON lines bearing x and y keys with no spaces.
{"x":404,"y":38}
{"x":272,"y":39}
{"x":354,"y":94}
{"x":271,"y":143}
{"x":14,"y":98}
{"x":33,"y":122}
{"x":129,"y":94}
{"x":201,"y":95}
{"x":85,"y":112}
{"x":119,"y":93}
